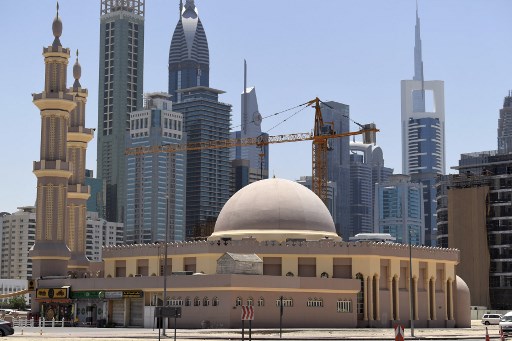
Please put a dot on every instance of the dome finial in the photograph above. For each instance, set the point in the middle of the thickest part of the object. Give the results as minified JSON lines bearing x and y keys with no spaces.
{"x":57,"y":28}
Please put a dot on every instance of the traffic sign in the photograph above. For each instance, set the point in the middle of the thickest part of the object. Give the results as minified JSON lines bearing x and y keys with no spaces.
{"x":168,"y":312}
{"x":247,"y":313}
{"x":399,"y":333}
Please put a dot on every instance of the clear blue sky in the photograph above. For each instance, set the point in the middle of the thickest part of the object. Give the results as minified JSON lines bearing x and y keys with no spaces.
{"x":354,"y":52}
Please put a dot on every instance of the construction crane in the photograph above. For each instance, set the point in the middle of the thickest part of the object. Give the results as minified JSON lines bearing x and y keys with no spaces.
{"x":322,"y":132}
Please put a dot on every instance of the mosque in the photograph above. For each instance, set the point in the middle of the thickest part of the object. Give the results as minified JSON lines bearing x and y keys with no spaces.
{"x":275,"y":244}
{"x":274,"y":248}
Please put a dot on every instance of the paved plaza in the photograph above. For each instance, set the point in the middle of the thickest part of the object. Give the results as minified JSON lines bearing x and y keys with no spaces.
{"x":476,"y":332}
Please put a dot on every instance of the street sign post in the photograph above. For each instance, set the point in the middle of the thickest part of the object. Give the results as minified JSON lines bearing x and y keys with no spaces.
{"x":247,"y":315}
{"x":161,"y":312}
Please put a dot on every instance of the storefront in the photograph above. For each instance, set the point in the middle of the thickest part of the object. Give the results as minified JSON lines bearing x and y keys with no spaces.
{"x":90,"y":307}
{"x":125,"y":308}
{"x":55,"y":303}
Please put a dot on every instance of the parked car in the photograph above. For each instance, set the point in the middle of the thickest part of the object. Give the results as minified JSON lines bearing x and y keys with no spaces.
{"x":488,"y":319}
{"x":6,"y":328}
{"x":506,"y":323}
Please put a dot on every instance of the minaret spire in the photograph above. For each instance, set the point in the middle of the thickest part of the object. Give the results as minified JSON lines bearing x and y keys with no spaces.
{"x":181,"y":8}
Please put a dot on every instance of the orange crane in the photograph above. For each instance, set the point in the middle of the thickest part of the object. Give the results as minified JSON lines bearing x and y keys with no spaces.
{"x":322,"y":132}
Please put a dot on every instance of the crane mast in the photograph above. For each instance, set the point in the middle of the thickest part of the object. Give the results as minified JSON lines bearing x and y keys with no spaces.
{"x":322,"y":132}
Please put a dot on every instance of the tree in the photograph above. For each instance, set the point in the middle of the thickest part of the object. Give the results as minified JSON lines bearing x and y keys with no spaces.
{"x":18,"y":302}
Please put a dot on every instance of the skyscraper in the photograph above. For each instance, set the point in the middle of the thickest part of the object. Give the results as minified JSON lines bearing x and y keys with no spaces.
{"x":366,"y":169}
{"x":155,"y":182}
{"x":119,"y":94}
{"x":339,"y":164}
{"x":189,"y":57}
{"x":205,"y":119}
{"x":505,"y":126}
{"x":399,"y":209}
{"x":423,"y":147}
{"x":208,"y":170}
{"x":249,"y":160}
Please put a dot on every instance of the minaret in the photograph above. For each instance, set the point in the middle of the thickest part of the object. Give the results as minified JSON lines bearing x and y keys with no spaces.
{"x":78,"y":192}
{"x":418,"y":96}
{"x":50,"y":254}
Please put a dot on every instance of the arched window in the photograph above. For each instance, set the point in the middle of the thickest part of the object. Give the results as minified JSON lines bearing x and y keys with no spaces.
{"x":206,"y":301}
{"x":261,"y":302}
{"x":215,"y":301}
{"x":315,"y":302}
{"x":287,"y":302}
{"x":188,"y":301}
{"x":324,"y":275}
{"x":238,"y":301}
{"x":250,"y":301}
{"x":289,"y":274}
{"x":197,"y":301}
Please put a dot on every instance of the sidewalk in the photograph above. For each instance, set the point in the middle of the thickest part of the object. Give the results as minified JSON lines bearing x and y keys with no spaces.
{"x":477,"y":331}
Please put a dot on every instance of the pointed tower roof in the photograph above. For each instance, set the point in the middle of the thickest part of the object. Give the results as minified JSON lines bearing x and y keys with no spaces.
{"x":189,"y":39}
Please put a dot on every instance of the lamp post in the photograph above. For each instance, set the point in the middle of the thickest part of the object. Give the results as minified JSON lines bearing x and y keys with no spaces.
{"x":411,"y":292}
{"x":165,"y":253}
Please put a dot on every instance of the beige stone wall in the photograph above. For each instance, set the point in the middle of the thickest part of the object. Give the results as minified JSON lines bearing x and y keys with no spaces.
{"x":467,"y":232}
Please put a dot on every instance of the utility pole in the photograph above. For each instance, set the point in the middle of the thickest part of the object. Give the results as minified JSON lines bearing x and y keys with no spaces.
{"x":411,"y":292}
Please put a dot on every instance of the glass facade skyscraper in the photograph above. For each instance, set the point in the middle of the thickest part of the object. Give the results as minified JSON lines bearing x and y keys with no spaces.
{"x":399,"y":209}
{"x":208,"y":170}
{"x":423,"y":140}
{"x":338,"y":169}
{"x":366,"y":169}
{"x":119,"y":93}
{"x":155,"y":182}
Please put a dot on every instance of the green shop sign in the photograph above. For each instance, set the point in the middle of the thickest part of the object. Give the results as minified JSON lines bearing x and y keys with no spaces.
{"x":87,"y":294}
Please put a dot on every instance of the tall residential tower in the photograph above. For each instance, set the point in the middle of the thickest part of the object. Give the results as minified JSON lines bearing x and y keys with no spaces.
{"x":204,"y":119}
{"x":119,"y":94}
{"x":423,"y":147}
{"x":155,"y":182}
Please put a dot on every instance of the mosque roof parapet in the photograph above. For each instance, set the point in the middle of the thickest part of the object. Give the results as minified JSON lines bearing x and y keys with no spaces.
{"x":251,"y":245}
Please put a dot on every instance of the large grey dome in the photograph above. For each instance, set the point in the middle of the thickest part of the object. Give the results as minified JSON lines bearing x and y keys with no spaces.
{"x":275,"y":209}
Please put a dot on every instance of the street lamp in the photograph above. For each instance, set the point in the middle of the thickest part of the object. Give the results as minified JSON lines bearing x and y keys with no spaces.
{"x":165,"y":252}
{"x":411,"y":292}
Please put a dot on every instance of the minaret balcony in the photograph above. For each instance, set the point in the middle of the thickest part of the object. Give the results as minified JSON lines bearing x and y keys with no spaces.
{"x":58,"y":51}
{"x":55,"y":168}
{"x":79,"y":191}
{"x":80,"y":134}
{"x":54,"y":101}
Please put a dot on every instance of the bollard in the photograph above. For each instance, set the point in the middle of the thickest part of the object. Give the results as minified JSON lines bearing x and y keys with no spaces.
{"x":21,"y":331}
{"x":62,"y":325}
{"x":53,"y":322}
{"x":31,"y":321}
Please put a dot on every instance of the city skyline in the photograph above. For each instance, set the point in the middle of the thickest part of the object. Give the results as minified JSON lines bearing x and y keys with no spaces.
{"x":351,"y":53}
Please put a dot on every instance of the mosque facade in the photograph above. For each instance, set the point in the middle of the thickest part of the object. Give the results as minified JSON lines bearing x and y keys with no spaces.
{"x":283,"y":252}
